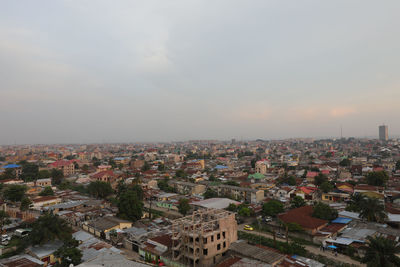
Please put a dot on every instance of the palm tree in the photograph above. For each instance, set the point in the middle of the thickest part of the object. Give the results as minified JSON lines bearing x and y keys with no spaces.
{"x":373,"y":210}
{"x":381,"y":252}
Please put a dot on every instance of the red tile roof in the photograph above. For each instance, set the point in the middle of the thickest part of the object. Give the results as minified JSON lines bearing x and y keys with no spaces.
{"x":302,"y":216}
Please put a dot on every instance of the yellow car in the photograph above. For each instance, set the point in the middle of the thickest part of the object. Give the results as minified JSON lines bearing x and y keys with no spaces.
{"x":248,"y":228}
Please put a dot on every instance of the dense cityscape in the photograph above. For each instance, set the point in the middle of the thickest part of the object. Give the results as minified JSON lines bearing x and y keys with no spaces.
{"x":295,"y":202}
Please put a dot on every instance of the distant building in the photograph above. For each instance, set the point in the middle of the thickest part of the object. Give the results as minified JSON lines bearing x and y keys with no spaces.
{"x":66,"y":166}
{"x":383,"y":133}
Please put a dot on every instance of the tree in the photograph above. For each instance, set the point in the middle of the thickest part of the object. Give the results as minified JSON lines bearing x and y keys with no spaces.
{"x":180,"y":173}
{"x":326,"y":187}
{"x":130,"y":204}
{"x":161,"y":167}
{"x":47,"y":191}
{"x":297,"y":202}
{"x":272,"y":208}
{"x":320,"y":179}
{"x":183,"y":206}
{"x":145,"y":166}
{"x":3,"y":219}
{"x":85,"y":167}
{"x":356,"y":202}
{"x":112,"y":163}
{"x":372,"y":210}
{"x":49,"y":227}
{"x":9,"y":173}
{"x":44,"y":174}
{"x":232,"y":207}
{"x":381,"y":252}
{"x":30,"y":171}
{"x":14,"y":192}
{"x":345,"y":162}
{"x":164,"y":186}
{"x":244,"y":210}
{"x":377,"y":178}
{"x":100,"y":189}
{"x":212,"y":178}
{"x":324,"y":212}
{"x":57,"y":176}
{"x":25,"y":203}
{"x":69,"y":253}
{"x":210,"y":193}
{"x":232,"y":183}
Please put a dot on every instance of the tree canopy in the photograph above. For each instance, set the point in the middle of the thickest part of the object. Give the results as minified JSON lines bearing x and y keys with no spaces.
{"x":99,"y":189}
{"x":183,"y":206}
{"x":210,"y":193}
{"x":47,"y":191}
{"x":381,"y":252}
{"x":14,"y":192}
{"x":272,"y":208}
{"x":297,"y":202}
{"x":49,"y":227}
{"x":324,"y":211}
{"x":372,"y":210}
{"x":320,"y":179}
{"x":377,"y":178}
{"x":130,"y":203}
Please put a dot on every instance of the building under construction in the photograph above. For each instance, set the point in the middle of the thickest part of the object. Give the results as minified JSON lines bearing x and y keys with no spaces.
{"x":202,"y":238}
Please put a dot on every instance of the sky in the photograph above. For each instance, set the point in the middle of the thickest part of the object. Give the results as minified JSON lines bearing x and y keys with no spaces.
{"x":146,"y":71}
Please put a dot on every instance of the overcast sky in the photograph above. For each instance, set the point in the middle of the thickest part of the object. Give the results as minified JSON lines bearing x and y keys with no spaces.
{"x":110,"y":71}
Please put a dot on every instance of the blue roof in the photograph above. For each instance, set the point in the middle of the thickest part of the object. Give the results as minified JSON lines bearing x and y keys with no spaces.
{"x":342,"y":220}
{"x":11,"y":166}
{"x":221,"y":167}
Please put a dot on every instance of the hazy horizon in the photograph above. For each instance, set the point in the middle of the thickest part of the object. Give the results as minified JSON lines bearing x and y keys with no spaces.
{"x":155,"y":71}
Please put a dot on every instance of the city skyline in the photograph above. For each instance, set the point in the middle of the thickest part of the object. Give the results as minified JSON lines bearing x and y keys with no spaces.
{"x":152,"y":71}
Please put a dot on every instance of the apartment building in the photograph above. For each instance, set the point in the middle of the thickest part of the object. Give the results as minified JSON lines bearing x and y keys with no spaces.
{"x":66,"y":166}
{"x":203,"y":238}
{"x":186,"y":188}
{"x":240,"y":193}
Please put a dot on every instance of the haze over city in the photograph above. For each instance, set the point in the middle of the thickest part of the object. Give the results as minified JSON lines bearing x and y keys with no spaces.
{"x":130,"y":71}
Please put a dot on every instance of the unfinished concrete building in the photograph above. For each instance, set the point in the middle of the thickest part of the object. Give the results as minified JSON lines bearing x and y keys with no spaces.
{"x":202,"y":238}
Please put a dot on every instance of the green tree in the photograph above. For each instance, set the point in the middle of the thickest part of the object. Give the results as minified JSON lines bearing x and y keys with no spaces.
{"x":232,"y":207}
{"x":381,"y":252}
{"x":326,"y":187}
{"x":85,"y":167}
{"x":69,"y":253}
{"x":232,"y":183}
{"x":324,"y":212}
{"x":25,"y":203}
{"x":9,"y":173}
{"x":183,"y":206}
{"x":15,"y":192}
{"x":130,"y":204}
{"x":377,"y":178}
{"x":49,"y":227}
{"x":356,"y":203}
{"x":210,"y":193}
{"x":212,"y":178}
{"x":44,"y":174}
{"x":244,"y":211}
{"x":112,"y":163}
{"x":320,"y":179}
{"x":272,"y":208}
{"x":372,"y":210}
{"x":297,"y":202}
{"x":345,"y":162}
{"x":180,"y":173}
{"x":47,"y":191}
{"x":57,"y":176}
{"x":100,"y":189}
{"x":4,"y":219}
{"x":30,"y":171}
{"x":146,"y":166}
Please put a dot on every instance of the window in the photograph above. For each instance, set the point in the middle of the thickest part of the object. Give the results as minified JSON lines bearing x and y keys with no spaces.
{"x":218,"y":236}
{"x":223,"y":234}
{"x":224,"y":244}
{"x":212,"y":238}
{"x":205,"y":251}
{"x":205,"y":240}
{"x":218,"y":246}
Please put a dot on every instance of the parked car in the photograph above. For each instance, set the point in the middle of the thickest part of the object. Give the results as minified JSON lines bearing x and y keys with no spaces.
{"x":22,"y":232}
{"x":248,"y":228}
{"x":279,"y":234}
{"x":268,"y":219}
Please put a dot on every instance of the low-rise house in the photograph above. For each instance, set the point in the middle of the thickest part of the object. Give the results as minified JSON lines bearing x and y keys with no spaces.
{"x":23,"y":260}
{"x":40,"y":202}
{"x":240,"y":193}
{"x":45,"y":253}
{"x":106,"y":224}
{"x":303,"y":217}
{"x":43,"y":182}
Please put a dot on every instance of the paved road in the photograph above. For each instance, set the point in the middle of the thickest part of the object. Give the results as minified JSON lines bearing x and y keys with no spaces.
{"x":312,"y":249}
